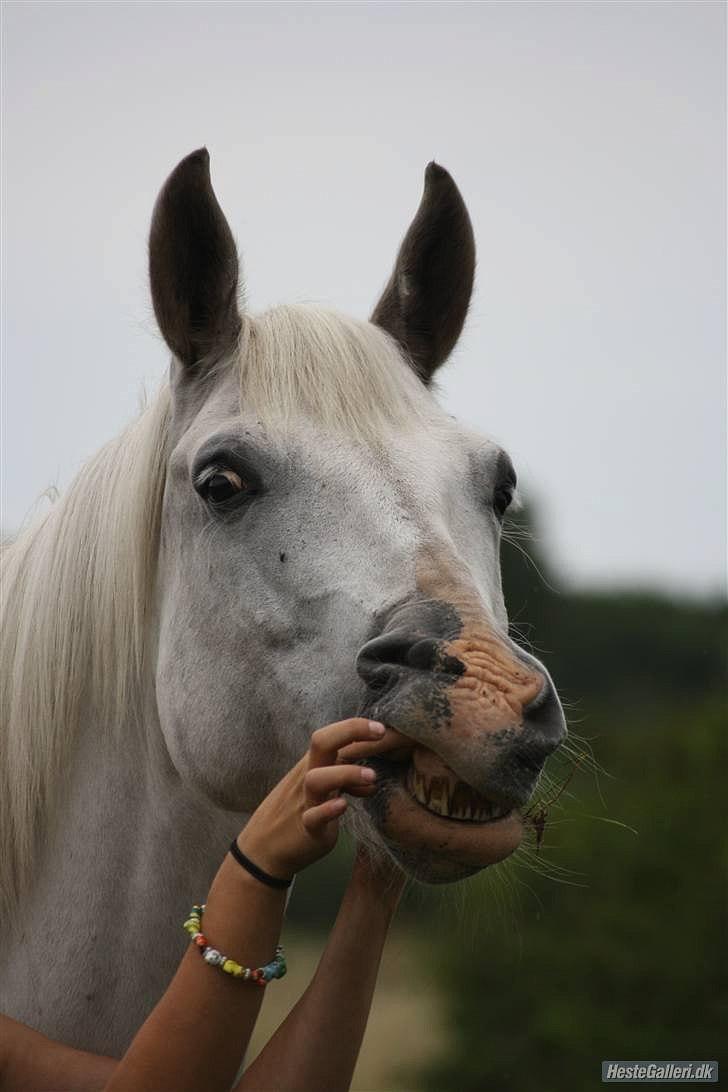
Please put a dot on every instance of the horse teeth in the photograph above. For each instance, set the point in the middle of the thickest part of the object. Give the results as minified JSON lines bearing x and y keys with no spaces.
{"x":439,"y":797}
{"x":438,"y":800}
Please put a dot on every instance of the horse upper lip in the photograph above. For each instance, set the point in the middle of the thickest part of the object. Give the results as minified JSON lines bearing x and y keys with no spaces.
{"x":404,"y":751}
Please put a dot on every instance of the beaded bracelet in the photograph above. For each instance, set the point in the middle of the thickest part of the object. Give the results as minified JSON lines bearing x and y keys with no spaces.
{"x":262,"y":975}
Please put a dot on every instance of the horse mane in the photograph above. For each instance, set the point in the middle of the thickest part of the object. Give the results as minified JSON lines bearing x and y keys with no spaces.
{"x":75,"y":593}
{"x":77,"y":586}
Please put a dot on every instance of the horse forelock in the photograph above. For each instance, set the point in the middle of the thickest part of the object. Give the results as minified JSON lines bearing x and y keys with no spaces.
{"x":346,"y":375}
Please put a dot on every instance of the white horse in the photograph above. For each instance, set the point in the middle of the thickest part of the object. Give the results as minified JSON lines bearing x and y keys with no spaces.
{"x":294,"y":531}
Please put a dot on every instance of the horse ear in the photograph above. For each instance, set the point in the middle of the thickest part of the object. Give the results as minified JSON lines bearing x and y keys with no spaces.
{"x":426,"y":300}
{"x":193,"y":264}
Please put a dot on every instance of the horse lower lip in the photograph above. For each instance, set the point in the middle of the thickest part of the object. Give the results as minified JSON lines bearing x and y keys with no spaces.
{"x":438,"y":845}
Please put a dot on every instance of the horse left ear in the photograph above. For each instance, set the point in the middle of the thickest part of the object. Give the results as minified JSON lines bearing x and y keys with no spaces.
{"x":193,"y":265}
{"x":426,"y":300}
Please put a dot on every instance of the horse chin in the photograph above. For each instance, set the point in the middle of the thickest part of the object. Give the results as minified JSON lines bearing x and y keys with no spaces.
{"x":439,"y":830}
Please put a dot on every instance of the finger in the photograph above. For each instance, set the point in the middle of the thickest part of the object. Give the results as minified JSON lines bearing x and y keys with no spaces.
{"x":321,"y":781}
{"x":315,"y":819}
{"x":325,"y":742}
{"x":365,"y":790}
{"x":390,"y":741}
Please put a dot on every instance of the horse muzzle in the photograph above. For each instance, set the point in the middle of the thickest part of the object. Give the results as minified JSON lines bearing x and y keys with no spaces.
{"x":482,"y":716}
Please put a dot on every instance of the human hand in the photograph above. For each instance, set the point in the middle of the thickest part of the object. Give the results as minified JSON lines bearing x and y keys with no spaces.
{"x":297,"y":823}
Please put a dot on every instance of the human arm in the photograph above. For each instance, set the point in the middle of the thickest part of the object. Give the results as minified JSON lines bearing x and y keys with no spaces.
{"x":333,"y":1010}
{"x":197,"y":1034}
{"x":317,"y":1045}
{"x":294,"y":825}
{"x":31,"y":1062}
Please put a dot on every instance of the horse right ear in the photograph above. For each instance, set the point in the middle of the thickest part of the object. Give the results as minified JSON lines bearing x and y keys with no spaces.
{"x":193,"y":265}
{"x":426,"y":300}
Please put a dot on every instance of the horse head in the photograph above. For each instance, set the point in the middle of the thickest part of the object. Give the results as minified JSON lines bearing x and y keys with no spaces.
{"x":330,"y":543}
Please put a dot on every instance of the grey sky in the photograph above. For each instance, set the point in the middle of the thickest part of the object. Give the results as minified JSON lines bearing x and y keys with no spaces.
{"x":588,"y":141}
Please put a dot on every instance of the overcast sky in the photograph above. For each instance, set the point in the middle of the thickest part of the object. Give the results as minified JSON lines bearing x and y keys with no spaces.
{"x":587,"y":139}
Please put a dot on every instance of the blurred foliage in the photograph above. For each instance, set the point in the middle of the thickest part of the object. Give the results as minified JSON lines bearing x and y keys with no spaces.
{"x":613,"y":942}
{"x":619,"y":954}
{"x":610,"y":650}
{"x":610,"y":941}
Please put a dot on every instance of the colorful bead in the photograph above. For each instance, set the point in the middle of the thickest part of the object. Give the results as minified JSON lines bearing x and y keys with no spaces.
{"x":262,"y":975}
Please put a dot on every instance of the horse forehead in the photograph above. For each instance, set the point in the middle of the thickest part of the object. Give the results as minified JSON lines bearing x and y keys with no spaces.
{"x":416,"y":464}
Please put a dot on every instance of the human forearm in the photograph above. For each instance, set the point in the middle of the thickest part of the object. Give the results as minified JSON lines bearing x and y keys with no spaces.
{"x":198,"y":1032}
{"x":316,"y":1047}
{"x":30,"y":1062}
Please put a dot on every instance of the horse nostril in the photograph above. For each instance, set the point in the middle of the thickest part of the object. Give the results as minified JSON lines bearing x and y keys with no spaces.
{"x":423,"y":654}
{"x":386,"y":655}
{"x":388,"y":648}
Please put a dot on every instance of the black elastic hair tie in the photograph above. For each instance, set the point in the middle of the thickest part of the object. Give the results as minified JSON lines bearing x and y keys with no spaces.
{"x":249,"y":866}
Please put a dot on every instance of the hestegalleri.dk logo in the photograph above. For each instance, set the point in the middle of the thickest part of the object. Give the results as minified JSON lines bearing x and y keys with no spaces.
{"x":668,"y":1072}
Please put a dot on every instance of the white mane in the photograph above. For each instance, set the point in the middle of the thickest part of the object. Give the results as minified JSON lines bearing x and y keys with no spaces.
{"x":77,"y":586}
{"x":75,"y":593}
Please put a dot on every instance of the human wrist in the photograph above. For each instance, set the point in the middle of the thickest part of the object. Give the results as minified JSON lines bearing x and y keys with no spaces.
{"x":374,"y":869}
{"x":377,"y":884}
{"x":263,"y":858}
{"x":233,"y":899}
{"x":277,"y":882}
{"x":238,"y":877}
{"x":234,"y":888}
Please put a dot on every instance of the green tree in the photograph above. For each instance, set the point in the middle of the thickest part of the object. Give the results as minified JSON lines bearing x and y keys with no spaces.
{"x":627,"y":963}
{"x":613,"y":945}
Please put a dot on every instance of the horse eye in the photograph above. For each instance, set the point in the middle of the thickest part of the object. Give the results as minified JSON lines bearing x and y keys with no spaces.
{"x":221,"y":486}
{"x":502,"y":497}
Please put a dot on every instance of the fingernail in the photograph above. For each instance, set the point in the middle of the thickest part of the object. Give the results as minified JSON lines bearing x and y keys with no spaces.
{"x":376,"y":728}
{"x":368,"y":774}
